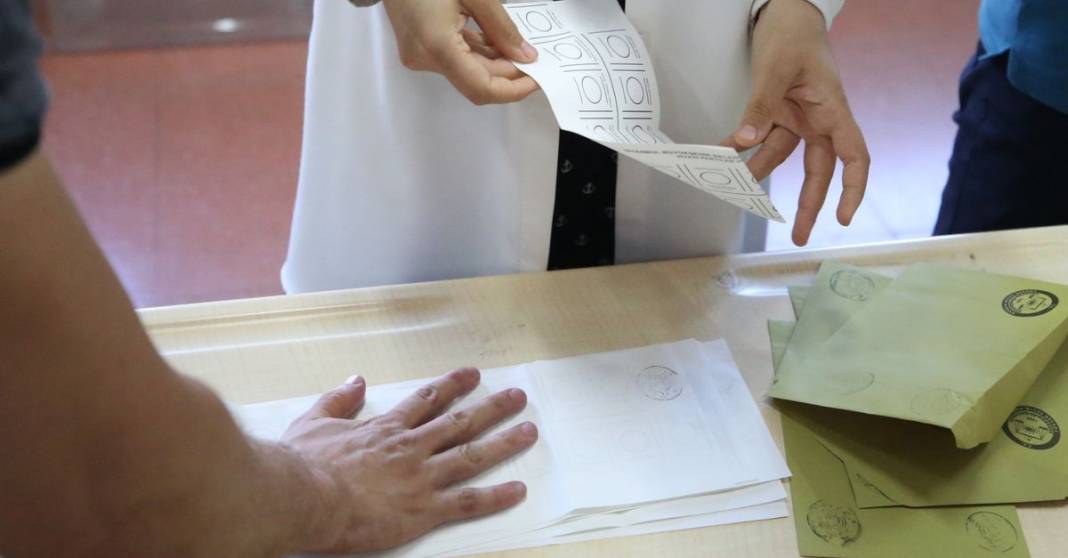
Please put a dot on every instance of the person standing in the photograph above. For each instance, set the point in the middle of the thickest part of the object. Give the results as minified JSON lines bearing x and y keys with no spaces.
{"x":1006,"y":170}
{"x":108,"y":451}
{"x":407,"y":177}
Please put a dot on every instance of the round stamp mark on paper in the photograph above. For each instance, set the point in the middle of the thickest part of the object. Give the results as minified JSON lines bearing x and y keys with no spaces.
{"x":992,"y":531}
{"x":660,"y":383}
{"x":1028,"y":303}
{"x":852,"y":285}
{"x":848,"y":382}
{"x":834,"y":524}
{"x":728,"y":280}
{"x":938,"y":403}
{"x":1032,"y":428}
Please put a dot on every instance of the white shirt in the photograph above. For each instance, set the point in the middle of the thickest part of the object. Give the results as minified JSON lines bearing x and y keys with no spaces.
{"x":403,"y":180}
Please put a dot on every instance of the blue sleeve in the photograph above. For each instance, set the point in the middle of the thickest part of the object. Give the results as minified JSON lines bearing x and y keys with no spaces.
{"x":1039,"y":62}
{"x":23,"y":97}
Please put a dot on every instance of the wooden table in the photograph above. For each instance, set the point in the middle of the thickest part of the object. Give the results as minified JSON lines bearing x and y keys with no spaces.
{"x":280,"y":347}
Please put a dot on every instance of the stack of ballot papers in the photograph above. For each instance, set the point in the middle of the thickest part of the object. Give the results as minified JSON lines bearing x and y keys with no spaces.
{"x":637,"y":441}
{"x":916,"y":411}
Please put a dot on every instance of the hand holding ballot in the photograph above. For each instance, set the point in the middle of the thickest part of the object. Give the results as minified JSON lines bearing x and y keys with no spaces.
{"x":433,"y":36}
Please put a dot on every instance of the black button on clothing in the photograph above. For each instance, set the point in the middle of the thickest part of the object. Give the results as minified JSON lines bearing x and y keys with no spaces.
{"x":584,"y":225}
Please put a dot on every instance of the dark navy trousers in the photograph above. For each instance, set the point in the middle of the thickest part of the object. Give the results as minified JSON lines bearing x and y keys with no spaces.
{"x":1009,"y":167}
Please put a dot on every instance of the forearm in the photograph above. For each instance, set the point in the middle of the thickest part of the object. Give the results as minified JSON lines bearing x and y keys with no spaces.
{"x":108,"y":451}
{"x":190,"y":484}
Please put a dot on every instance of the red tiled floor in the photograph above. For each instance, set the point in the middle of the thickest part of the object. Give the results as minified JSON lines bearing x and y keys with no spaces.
{"x":184,"y":161}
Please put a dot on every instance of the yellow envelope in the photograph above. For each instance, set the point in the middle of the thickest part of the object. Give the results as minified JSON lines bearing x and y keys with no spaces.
{"x":829,"y":522}
{"x":952,"y":348}
{"x":892,"y":462}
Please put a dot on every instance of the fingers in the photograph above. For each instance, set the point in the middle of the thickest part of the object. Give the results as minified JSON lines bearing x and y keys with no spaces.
{"x":462,"y":425}
{"x":819,"y":169}
{"x":343,"y":401}
{"x":477,"y":41}
{"x":433,"y":398}
{"x":499,"y":67}
{"x":500,"y":29}
{"x":769,"y":89}
{"x":849,"y":144}
{"x":466,"y":503}
{"x":471,"y":459}
{"x":778,"y":146}
{"x":477,"y":83}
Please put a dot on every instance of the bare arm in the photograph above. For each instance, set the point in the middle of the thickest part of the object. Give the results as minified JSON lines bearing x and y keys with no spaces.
{"x":109,"y":452}
{"x":105,"y":445}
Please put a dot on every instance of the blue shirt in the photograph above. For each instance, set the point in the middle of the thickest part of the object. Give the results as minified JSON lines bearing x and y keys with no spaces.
{"x":1035,"y":34}
{"x":23,"y":99}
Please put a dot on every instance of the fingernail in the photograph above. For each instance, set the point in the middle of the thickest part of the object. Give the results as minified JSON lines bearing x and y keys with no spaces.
{"x":468,"y":377}
{"x":528,"y":429}
{"x":519,"y":488}
{"x":515,"y":394}
{"x":529,"y":51}
{"x":747,"y":133}
{"x":355,"y":379}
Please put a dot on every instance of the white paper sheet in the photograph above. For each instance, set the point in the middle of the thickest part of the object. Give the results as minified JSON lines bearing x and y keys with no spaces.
{"x":645,"y":419}
{"x":682,"y":513}
{"x":657,"y":435}
{"x":599,"y":79}
{"x":545,"y":537}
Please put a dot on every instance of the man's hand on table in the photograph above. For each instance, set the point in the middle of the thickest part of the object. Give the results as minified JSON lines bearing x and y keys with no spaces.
{"x":432,"y":36}
{"x":119,"y":455}
{"x":797,"y":95}
{"x":392,"y":478}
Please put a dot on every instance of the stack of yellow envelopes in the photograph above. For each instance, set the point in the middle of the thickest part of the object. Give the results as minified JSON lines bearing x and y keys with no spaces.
{"x":889,"y":380}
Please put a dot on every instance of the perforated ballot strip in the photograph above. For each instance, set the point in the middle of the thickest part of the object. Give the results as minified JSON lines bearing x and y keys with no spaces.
{"x":599,"y":79}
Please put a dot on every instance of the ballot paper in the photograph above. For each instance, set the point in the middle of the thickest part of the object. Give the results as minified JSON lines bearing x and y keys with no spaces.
{"x":953,"y":348}
{"x":830,"y":521}
{"x":547,"y":536}
{"x":641,"y":440}
{"x":599,"y":79}
{"x":892,"y":462}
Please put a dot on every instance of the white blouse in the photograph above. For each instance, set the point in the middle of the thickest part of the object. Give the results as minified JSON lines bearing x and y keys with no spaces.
{"x":404,"y":180}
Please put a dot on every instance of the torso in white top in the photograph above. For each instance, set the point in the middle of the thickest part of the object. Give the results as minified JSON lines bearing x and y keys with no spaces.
{"x":403,"y":180}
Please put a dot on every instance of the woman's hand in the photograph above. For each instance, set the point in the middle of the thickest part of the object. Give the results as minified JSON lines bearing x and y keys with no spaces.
{"x":797,"y":95}
{"x":432,"y":35}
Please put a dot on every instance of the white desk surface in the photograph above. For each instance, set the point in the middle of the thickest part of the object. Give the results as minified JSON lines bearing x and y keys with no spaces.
{"x":279,"y":347}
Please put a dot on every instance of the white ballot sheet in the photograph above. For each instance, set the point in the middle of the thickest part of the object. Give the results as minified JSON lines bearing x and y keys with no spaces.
{"x":634,"y":441}
{"x":764,"y":501}
{"x":599,"y":79}
{"x":546,"y":537}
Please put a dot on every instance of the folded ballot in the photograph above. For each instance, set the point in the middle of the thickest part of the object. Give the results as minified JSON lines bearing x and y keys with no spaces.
{"x":598,"y":76}
{"x":831,"y":521}
{"x":892,"y":462}
{"x":636,"y":441}
{"x":947,"y":347}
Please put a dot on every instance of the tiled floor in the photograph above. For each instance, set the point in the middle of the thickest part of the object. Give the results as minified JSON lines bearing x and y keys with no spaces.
{"x":184,"y":161}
